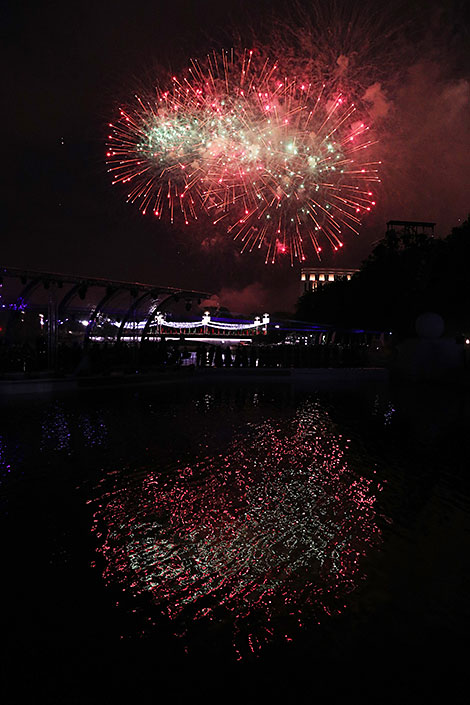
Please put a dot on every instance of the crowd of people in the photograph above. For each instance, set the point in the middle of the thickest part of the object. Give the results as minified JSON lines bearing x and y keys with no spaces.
{"x":282,"y":355}
{"x":105,"y":358}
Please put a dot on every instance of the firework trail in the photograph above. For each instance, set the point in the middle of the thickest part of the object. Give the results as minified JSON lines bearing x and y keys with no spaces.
{"x":281,"y":162}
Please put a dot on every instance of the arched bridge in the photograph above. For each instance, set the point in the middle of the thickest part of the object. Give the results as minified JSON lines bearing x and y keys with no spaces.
{"x":59,"y":298}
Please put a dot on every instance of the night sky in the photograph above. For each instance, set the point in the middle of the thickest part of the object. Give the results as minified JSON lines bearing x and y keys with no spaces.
{"x":68,"y":66}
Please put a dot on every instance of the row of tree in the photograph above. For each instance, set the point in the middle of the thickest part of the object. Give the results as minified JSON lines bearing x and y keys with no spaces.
{"x":405,"y":275}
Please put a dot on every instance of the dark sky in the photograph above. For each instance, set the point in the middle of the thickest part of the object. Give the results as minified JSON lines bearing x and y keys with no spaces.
{"x":66,"y":68}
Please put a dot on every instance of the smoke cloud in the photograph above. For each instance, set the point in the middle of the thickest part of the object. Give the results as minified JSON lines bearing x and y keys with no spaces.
{"x":426,"y":148}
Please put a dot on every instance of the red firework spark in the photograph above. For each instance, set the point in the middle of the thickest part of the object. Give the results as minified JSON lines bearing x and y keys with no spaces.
{"x":282,"y":163}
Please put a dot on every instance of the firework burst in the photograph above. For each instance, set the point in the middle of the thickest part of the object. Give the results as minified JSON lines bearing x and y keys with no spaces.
{"x":280,"y":162}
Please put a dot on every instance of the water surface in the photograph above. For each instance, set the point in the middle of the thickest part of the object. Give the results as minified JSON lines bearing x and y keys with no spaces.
{"x":230,"y":536}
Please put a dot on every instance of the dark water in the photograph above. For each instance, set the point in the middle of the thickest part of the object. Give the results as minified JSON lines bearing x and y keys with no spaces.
{"x":235,"y":542}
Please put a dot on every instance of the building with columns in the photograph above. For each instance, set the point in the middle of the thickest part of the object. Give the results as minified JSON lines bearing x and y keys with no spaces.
{"x":313,"y":277}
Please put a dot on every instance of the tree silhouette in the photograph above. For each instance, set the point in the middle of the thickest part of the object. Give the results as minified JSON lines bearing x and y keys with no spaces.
{"x":406,"y":274}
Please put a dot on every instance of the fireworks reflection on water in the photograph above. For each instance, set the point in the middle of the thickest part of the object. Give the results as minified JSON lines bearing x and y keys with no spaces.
{"x":264,"y":538}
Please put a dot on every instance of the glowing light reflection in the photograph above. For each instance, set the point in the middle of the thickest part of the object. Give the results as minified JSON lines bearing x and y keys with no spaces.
{"x":273,"y":532}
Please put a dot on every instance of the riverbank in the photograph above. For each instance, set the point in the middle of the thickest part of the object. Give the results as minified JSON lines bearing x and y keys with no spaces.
{"x":50,"y":386}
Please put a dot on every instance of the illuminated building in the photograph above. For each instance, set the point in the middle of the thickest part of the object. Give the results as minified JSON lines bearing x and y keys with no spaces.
{"x":313,"y":277}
